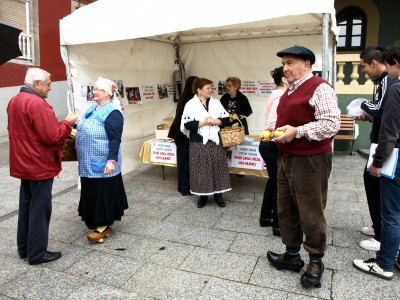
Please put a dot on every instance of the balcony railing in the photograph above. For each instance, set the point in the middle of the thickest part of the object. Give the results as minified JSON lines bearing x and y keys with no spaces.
{"x":349,"y":82}
{"x":25,"y":44}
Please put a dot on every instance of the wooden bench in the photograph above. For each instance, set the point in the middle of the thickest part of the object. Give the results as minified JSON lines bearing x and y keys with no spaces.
{"x":346,"y":131}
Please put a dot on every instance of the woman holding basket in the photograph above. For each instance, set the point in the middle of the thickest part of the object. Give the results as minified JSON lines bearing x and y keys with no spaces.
{"x":201,"y":121}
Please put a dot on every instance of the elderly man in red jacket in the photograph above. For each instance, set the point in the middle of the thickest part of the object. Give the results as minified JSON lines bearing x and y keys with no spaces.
{"x":308,"y":113}
{"x":35,"y":158}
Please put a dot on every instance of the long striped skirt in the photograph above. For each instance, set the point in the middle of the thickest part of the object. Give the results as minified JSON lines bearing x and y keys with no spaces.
{"x":208,"y":169}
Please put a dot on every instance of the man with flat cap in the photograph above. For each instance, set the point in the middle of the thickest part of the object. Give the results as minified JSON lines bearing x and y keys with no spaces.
{"x":308,"y":113}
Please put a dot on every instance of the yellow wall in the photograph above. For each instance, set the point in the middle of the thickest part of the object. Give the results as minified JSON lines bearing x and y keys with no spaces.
{"x":372,"y":13}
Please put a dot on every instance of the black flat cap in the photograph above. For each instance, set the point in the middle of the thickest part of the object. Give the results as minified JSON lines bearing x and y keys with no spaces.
{"x":298,"y":51}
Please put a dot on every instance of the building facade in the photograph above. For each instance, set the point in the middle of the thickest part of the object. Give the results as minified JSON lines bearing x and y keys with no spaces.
{"x":40,"y":46}
{"x":361,"y":22}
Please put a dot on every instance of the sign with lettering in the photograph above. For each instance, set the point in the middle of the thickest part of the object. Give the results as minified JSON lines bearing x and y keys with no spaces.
{"x":249,"y":87}
{"x":163,"y":152}
{"x":265,"y":88}
{"x":246,"y":157}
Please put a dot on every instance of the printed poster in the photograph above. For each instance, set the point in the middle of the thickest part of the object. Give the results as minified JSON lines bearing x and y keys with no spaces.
{"x":162,"y":152}
{"x":265,"y":88}
{"x":249,"y":87}
{"x":246,"y":157}
{"x":149,"y":92}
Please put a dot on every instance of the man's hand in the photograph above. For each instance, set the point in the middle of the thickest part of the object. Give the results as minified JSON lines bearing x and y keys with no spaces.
{"x":288,"y":136}
{"x":72,"y":119}
{"x":375,"y":171}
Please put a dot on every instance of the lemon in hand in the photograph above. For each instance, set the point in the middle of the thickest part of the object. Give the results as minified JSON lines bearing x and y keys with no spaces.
{"x":266,"y":134}
{"x":278,"y":133}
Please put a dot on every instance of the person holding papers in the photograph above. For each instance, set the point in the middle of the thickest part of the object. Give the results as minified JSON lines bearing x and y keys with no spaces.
{"x":389,"y":139}
{"x":371,"y":60}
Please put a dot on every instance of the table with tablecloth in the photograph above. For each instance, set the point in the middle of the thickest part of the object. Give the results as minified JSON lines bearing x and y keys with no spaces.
{"x":242,"y":159}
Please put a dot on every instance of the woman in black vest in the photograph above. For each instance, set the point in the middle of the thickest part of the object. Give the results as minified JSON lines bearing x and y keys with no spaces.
{"x":235,"y":103}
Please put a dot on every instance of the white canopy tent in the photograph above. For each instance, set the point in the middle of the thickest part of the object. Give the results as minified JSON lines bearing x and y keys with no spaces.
{"x":139,"y":42}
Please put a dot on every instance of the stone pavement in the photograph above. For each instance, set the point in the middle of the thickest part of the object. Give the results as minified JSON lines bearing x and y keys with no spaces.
{"x":167,"y":248}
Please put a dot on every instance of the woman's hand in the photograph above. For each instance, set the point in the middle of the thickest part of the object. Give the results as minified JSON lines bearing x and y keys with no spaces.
{"x":109,"y":168}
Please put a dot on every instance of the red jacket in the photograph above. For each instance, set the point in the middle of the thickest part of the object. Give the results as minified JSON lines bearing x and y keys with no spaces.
{"x":34,"y":134}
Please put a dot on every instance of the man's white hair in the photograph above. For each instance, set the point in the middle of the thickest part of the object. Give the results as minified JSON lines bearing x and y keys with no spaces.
{"x":34,"y":74}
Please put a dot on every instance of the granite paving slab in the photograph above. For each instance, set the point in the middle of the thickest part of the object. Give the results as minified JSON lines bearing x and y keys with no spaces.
{"x":166,"y":283}
{"x":41,"y":283}
{"x":232,"y":266}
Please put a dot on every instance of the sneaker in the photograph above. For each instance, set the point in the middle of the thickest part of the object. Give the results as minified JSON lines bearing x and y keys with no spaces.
{"x":371,"y":266}
{"x":368,"y":230}
{"x":371,"y":244}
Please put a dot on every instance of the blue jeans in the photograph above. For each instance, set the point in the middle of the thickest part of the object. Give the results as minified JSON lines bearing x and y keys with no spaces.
{"x":390,"y":215}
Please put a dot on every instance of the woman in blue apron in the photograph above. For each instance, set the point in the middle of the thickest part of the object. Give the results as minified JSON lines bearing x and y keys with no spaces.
{"x":98,"y":145}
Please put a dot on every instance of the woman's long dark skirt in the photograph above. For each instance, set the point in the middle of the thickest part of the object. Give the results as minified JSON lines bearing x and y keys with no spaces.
{"x":103,"y":200}
{"x":209,"y":173}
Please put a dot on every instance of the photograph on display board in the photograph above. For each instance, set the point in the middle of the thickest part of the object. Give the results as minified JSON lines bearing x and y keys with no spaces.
{"x":133,"y":95}
{"x":162,"y":90}
{"x":120,"y":87}
{"x":87,"y":93}
{"x":221,"y":87}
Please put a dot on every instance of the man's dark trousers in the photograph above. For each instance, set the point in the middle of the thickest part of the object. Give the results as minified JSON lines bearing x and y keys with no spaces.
{"x":34,"y":218}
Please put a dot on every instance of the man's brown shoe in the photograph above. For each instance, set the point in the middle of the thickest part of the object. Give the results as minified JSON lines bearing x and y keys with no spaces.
{"x":98,"y":237}
{"x":285,"y":261}
{"x":312,"y":275}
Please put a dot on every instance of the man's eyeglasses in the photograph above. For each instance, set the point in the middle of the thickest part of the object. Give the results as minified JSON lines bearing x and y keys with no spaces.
{"x":46,"y":83}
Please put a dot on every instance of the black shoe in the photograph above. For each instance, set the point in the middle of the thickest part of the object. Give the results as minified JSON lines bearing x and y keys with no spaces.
{"x":276,"y":231}
{"x":265,"y":222}
{"x":202,"y":201}
{"x":312,"y":275}
{"x":285,"y":261}
{"x":186,"y":193}
{"x":218,"y":199}
{"x":46,"y":258}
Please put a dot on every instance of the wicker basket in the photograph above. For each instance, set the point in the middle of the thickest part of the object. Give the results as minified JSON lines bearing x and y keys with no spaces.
{"x":68,"y":151}
{"x":232,"y":135}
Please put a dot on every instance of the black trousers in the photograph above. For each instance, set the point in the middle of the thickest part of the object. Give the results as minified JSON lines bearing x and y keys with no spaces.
{"x":34,"y":218}
{"x":182,"y":149}
{"x":372,"y":189}
{"x":269,"y":153}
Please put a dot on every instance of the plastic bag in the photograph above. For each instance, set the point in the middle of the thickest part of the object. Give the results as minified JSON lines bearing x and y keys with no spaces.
{"x":354,"y":108}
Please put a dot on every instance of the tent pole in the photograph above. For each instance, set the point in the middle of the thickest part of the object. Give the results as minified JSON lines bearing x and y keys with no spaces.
{"x":325,"y":35}
{"x":70,"y":89}
{"x":334,"y":65}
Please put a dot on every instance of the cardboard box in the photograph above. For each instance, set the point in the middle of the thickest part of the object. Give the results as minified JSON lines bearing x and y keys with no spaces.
{"x":162,"y":129}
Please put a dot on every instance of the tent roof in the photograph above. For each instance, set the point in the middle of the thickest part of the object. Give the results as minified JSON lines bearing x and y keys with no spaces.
{"x":111,"y":20}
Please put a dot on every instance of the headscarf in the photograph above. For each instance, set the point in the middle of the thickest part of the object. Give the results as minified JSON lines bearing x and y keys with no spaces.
{"x":111,"y":88}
